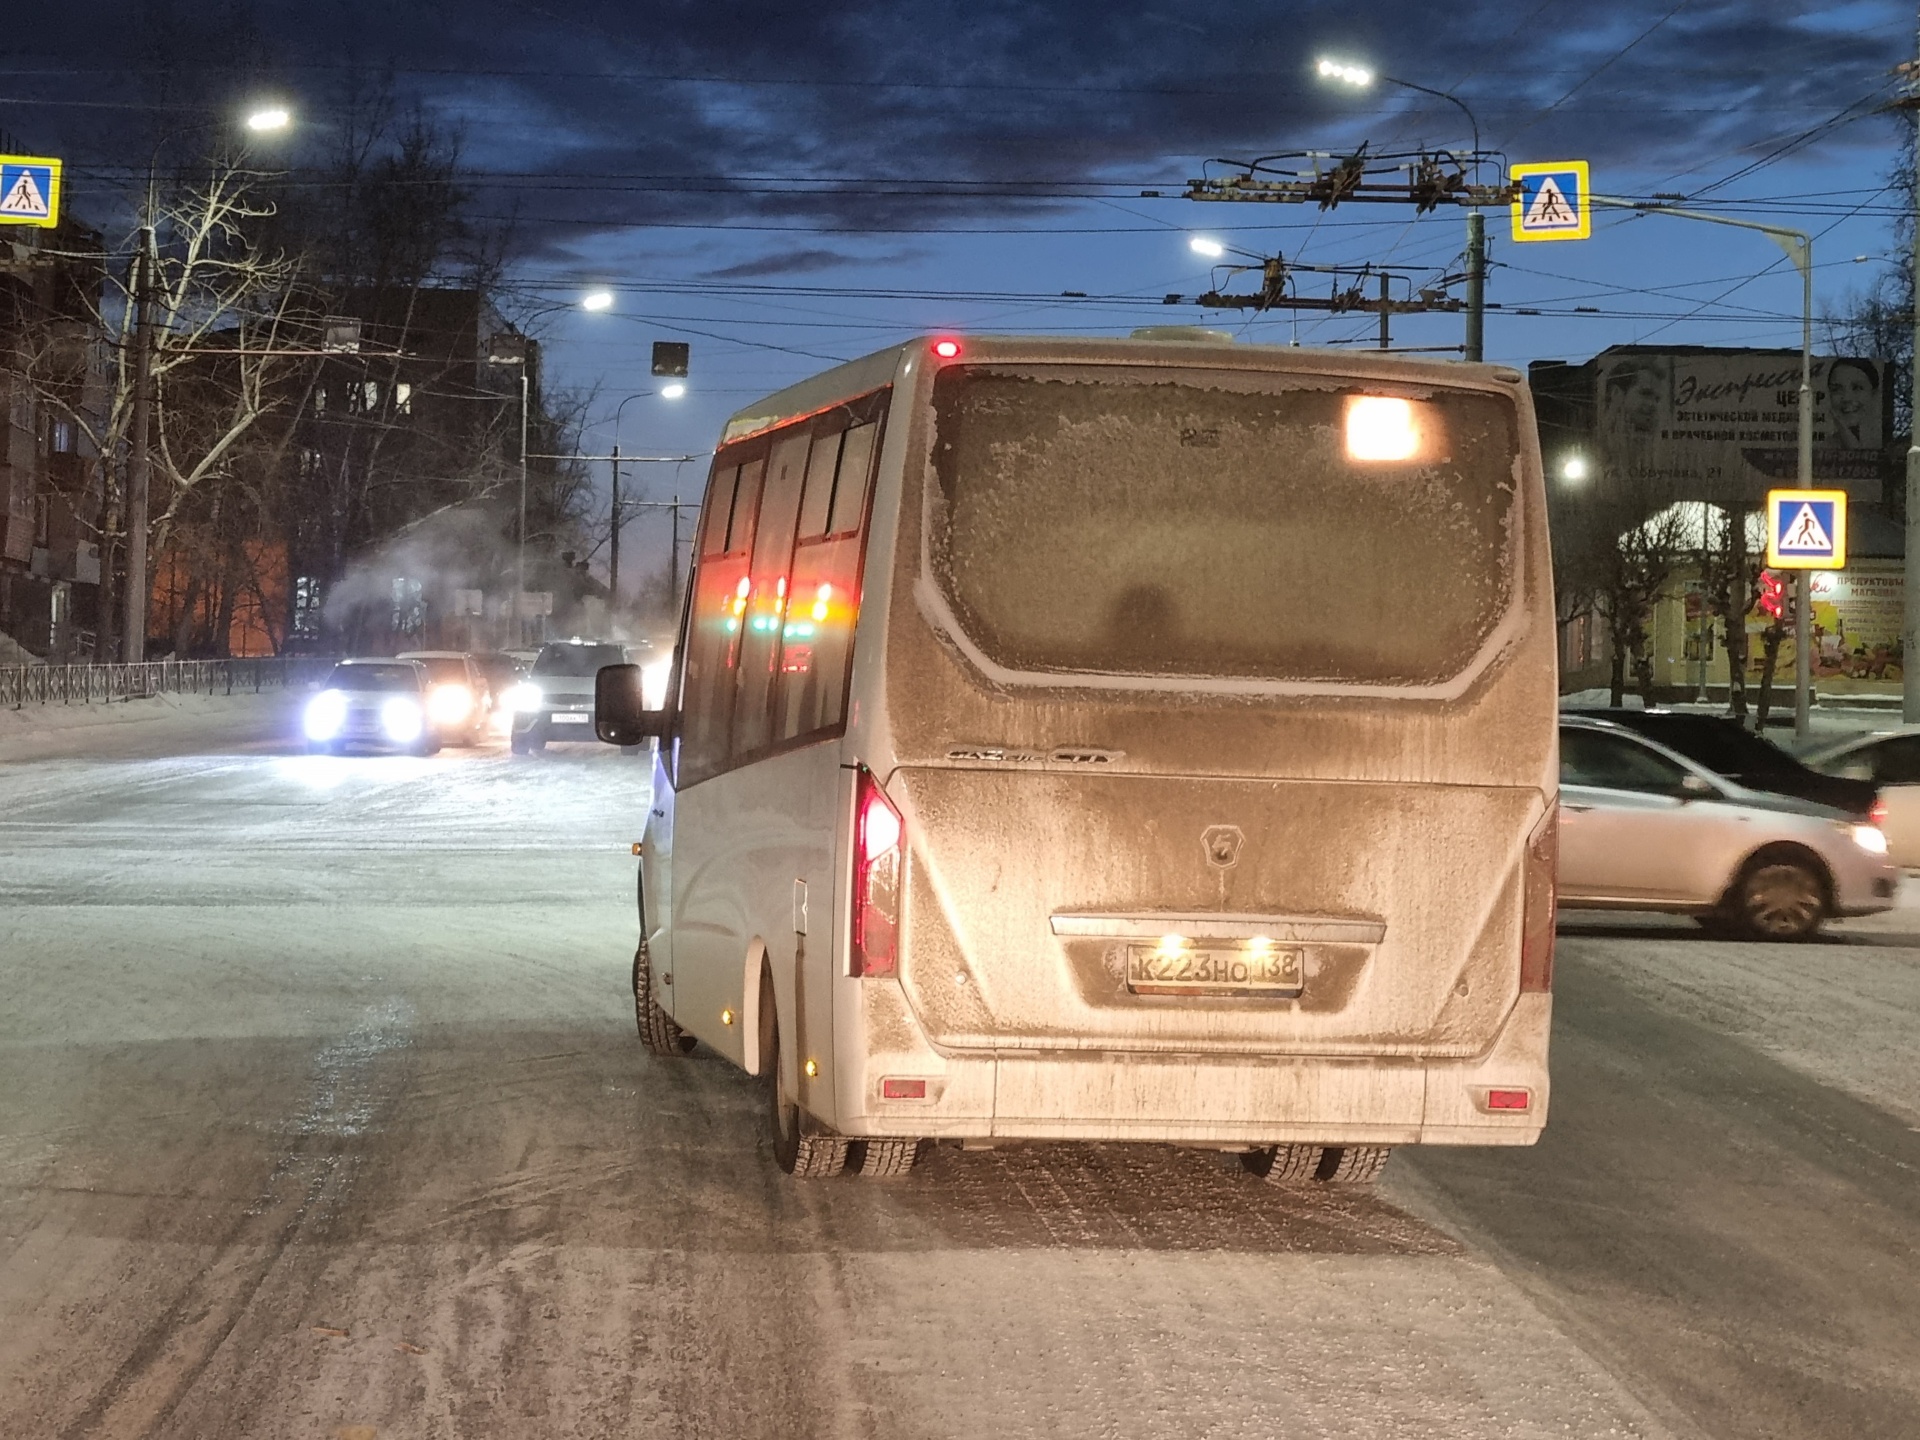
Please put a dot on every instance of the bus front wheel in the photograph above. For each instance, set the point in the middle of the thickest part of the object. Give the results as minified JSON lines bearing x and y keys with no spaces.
{"x":657,"y":1030}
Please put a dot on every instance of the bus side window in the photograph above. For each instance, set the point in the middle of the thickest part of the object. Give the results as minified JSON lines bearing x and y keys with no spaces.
{"x":825,"y":598}
{"x":714,"y":627}
{"x":767,"y":592}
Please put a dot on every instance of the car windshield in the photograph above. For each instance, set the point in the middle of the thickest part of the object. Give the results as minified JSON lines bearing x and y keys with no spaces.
{"x":1221,"y":523}
{"x":578,"y":660}
{"x":446,"y":672}
{"x":373,"y":677}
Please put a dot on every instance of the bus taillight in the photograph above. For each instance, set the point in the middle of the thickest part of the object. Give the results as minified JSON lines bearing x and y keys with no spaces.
{"x":1537,"y":920}
{"x":877,"y":865}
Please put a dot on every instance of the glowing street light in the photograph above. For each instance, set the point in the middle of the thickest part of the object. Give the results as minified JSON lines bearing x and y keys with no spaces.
{"x":1574,"y":469}
{"x":269,"y":118}
{"x":597,"y":300}
{"x":672,"y":390}
{"x":1357,"y":76}
{"x":1201,"y":245}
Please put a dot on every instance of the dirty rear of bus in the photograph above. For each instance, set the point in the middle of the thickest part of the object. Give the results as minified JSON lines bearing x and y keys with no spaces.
{"x":1214,"y":690}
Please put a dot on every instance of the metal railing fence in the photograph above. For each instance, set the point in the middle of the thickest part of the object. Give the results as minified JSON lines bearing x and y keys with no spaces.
{"x":22,"y":685}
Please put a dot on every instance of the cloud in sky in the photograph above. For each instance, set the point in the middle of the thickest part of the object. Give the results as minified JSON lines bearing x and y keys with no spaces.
{"x":876,"y":114}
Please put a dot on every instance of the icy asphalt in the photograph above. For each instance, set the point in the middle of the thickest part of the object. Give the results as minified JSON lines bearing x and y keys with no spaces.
{"x":321,"y":1115}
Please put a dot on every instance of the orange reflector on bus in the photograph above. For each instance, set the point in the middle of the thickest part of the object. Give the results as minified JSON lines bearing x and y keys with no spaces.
{"x":903,"y":1089}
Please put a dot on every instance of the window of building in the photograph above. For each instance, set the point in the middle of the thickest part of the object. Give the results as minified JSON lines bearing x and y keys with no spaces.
{"x":402,"y":398}
{"x":306,"y":604}
{"x":61,"y":437}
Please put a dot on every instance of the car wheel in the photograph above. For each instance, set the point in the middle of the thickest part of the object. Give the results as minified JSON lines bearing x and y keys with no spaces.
{"x":1284,"y":1164}
{"x":657,"y":1031}
{"x":427,"y":744}
{"x":798,"y":1150}
{"x":517,"y":743}
{"x":1778,"y":899}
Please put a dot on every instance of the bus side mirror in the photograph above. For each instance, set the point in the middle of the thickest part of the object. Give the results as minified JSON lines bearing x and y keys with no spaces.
{"x":620,"y":714}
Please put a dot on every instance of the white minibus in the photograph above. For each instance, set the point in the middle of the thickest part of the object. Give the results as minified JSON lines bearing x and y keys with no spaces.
{"x":1113,"y":740}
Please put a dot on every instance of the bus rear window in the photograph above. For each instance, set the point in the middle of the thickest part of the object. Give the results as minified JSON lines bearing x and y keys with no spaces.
{"x":1220,"y":524}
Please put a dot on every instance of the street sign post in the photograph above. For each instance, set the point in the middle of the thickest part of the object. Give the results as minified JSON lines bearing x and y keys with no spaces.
{"x":1806,"y":529}
{"x":1551,"y":201}
{"x":29,"y":190}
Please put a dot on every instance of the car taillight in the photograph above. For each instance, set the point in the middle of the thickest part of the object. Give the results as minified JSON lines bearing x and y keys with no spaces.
{"x":878,"y":860}
{"x":1878,"y":814}
{"x":1536,"y":923}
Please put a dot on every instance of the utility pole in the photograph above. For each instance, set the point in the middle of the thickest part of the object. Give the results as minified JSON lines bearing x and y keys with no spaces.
{"x":133,"y":643}
{"x":613,"y":536}
{"x":1802,"y":581}
{"x":1476,"y":285}
{"x":1910,"y":628}
{"x":520,"y":564}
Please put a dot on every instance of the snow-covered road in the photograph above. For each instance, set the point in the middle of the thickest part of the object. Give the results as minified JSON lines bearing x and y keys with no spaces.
{"x":321,"y":1114}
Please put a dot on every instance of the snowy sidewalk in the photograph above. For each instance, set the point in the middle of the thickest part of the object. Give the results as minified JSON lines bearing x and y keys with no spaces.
{"x":164,"y":724}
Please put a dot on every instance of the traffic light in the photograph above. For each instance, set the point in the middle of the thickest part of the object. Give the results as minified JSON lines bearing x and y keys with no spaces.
{"x":1776,"y":597}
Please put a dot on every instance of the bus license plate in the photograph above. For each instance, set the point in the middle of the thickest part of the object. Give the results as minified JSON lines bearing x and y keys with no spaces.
{"x":1280,"y":971}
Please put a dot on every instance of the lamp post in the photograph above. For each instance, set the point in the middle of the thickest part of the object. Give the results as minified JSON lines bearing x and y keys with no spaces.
{"x":133,"y":644}
{"x":1798,"y":245}
{"x":1361,"y":78}
{"x":671,"y":391}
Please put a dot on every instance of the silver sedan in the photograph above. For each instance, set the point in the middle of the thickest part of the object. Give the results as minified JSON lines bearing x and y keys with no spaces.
{"x":1642,"y":828}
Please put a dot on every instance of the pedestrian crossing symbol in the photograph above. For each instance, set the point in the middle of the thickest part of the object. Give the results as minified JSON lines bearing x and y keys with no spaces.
{"x":1550,"y":201}
{"x":1806,"y":529}
{"x":29,"y":191}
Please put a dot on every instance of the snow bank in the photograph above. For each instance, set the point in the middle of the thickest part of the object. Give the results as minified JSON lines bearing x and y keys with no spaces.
{"x":164,"y":724}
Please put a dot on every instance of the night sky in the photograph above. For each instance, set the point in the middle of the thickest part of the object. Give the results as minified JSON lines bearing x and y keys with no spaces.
{"x":790,"y":185}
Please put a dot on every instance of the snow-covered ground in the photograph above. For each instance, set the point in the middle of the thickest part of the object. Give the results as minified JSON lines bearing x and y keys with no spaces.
{"x":321,"y":1113}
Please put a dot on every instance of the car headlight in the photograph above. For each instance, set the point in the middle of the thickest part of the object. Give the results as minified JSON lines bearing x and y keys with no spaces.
{"x":326,"y":713}
{"x":524,"y":696}
{"x":654,"y":680}
{"x":1870,"y":838}
{"x":400,"y":717}
{"x":449,"y":704}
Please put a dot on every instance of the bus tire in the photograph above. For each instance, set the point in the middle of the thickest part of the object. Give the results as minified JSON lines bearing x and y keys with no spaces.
{"x":883,"y":1159}
{"x":1284,"y":1164}
{"x":1353,"y":1164}
{"x":657,"y":1031}
{"x":799,"y":1150}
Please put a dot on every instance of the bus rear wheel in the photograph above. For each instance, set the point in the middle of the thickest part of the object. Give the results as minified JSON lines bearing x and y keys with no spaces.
{"x":1353,"y":1164}
{"x":802,"y":1152}
{"x":1284,"y":1164}
{"x":883,"y":1159}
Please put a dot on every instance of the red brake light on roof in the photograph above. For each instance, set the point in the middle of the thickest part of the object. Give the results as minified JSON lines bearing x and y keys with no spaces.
{"x":947,"y":349}
{"x":878,"y":865}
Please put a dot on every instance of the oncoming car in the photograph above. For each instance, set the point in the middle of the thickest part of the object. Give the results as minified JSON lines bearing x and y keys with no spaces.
{"x":555,"y":701}
{"x":1644,"y":828}
{"x":458,"y":700}
{"x":380,"y":703}
{"x":1018,"y":780}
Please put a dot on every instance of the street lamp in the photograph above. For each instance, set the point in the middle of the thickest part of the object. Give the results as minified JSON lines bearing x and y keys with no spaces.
{"x":1201,"y":245}
{"x":269,"y":118}
{"x":1573,"y":469}
{"x":1798,"y":245}
{"x":669,"y":392}
{"x":597,"y":300}
{"x":1361,"y":78}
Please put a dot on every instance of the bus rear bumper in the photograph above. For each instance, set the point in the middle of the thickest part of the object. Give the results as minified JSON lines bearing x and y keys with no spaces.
{"x":1497,"y":1098}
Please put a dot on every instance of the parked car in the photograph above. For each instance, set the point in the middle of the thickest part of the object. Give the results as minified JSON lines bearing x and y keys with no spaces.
{"x":1890,"y":761}
{"x":372,"y":702}
{"x":1645,"y":828}
{"x":555,"y":702}
{"x":1733,"y":752}
{"x":457,"y":696}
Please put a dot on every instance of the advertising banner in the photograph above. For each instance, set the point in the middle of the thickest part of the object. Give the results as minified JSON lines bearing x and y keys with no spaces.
{"x":1723,"y":425}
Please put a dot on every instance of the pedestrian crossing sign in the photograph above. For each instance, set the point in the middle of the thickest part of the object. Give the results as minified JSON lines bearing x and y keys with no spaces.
{"x":29,"y":190}
{"x":1806,"y":529}
{"x":1550,"y":201}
